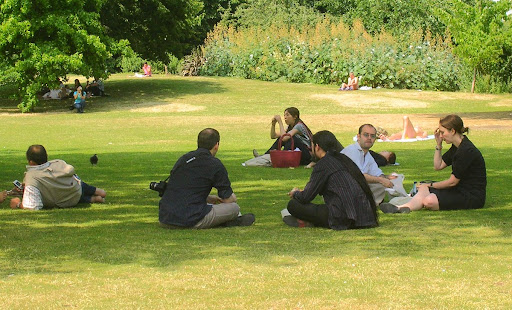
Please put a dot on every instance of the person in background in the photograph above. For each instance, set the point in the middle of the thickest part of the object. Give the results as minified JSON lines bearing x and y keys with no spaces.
{"x":408,"y":132}
{"x":147,"y":69}
{"x":79,"y":96}
{"x":298,"y":131}
{"x":352,"y":83}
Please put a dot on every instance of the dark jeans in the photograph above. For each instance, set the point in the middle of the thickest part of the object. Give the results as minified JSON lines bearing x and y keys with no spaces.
{"x":87,"y":192}
{"x":305,"y":157}
{"x":310,"y":212}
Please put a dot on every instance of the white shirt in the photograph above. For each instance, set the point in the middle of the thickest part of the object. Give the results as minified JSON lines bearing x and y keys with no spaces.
{"x":32,"y":198}
{"x":365,"y":163}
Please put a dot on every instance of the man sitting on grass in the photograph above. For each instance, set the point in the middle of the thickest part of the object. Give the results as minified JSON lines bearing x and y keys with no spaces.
{"x":348,"y":200}
{"x":51,"y":184}
{"x":187,"y":203}
{"x":360,"y":155}
{"x":352,"y":83}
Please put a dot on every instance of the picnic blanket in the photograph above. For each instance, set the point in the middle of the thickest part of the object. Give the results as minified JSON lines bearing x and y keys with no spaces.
{"x":430,"y":137}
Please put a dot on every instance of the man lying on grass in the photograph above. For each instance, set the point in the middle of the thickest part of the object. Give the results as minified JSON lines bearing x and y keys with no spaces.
{"x":349,"y":202}
{"x":50,"y":184}
{"x":187,"y":203}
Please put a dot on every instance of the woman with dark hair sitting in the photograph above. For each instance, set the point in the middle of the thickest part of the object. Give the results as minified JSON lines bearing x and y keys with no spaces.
{"x":349,"y":202}
{"x":298,"y":131}
{"x":466,"y":186}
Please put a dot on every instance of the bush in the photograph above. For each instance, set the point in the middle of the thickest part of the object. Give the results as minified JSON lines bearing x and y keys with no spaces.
{"x":175,"y":65}
{"x":326,"y":51}
{"x":492,"y":85}
{"x":131,"y":63}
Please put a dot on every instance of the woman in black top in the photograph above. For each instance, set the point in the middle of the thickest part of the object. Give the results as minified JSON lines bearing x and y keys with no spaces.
{"x":465,"y":189}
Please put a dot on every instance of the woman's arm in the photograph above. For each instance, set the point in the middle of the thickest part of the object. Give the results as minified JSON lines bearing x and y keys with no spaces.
{"x":451,"y":182}
{"x":439,"y":163}
{"x":282,"y":131}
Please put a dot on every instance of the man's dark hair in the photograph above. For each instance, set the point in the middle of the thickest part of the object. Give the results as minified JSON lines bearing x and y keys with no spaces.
{"x":37,"y":154}
{"x":362,"y":126}
{"x":207,"y":138}
{"x":392,"y":158}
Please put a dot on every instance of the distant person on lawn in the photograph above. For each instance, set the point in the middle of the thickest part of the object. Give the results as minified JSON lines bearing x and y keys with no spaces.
{"x":348,"y":200}
{"x":53,"y":184}
{"x":408,"y":132}
{"x":352,"y":83}
{"x":147,"y":69}
{"x":466,"y":186}
{"x":187,"y":203}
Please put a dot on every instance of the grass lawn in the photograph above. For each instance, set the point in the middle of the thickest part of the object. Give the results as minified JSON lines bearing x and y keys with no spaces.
{"x":115,"y":256}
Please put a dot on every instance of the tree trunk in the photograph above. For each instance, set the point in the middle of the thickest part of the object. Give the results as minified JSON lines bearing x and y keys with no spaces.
{"x":474,"y":82}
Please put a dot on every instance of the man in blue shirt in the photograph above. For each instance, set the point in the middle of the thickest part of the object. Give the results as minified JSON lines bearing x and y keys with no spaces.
{"x":187,"y":203}
{"x":360,"y":155}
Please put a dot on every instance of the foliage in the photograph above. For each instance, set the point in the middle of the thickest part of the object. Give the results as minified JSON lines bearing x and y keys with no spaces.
{"x":326,"y":51}
{"x":42,"y":41}
{"x":481,"y":31}
{"x":131,"y":62}
{"x":175,"y":65}
{"x":493,"y":85}
{"x":396,"y":16}
{"x":154,"y":27}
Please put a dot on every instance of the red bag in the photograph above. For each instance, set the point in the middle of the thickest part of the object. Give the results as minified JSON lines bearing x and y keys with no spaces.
{"x":285,"y":159}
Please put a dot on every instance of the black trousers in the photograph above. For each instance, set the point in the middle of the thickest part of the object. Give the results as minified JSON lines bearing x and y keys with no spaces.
{"x":317,"y":214}
{"x":305,"y":157}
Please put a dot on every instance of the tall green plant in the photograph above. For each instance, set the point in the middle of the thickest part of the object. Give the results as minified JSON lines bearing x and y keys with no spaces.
{"x":326,"y":51}
{"x":481,"y":32}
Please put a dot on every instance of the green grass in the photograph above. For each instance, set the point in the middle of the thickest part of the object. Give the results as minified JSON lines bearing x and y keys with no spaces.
{"x":116,"y":256}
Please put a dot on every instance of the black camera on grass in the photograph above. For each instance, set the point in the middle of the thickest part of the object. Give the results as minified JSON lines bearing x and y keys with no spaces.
{"x":159,"y":187}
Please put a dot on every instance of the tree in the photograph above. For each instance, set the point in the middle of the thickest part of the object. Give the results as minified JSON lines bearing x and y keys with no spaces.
{"x":44,"y":40}
{"x":480,"y":32}
{"x":154,"y":27}
{"x":396,"y":16}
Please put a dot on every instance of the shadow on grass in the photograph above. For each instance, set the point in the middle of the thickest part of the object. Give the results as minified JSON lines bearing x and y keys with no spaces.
{"x":125,"y":230}
{"x":127,"y":92}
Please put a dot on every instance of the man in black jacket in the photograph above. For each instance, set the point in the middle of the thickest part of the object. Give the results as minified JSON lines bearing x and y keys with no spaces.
{"x":187,"y":203}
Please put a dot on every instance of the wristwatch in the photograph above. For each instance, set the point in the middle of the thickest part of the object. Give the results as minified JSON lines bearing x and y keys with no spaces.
{"x":438,"y":148}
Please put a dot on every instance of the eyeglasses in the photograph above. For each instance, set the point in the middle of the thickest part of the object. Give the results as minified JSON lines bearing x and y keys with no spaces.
{"x":367,"y":135}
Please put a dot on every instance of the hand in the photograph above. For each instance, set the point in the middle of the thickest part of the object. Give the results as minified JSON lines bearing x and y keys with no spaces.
{"x":387,"y":183}
{"x":392,"y":176}
{"x":14,"y":203}
{"x":213,"y":199}
{"x":437,"y":135}
{"x":277,"y":118}
{"x":18,"y":191}
{"x":421,"y":185}
{"x":3,"y":195}
{"x":295,"y":189}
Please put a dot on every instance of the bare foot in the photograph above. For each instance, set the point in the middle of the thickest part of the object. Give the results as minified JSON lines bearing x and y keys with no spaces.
{"x":100,"y":192}
{"x":97,"y":199}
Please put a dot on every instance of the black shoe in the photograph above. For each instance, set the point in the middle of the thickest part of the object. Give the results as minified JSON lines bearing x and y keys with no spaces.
{"x":387,"y":207}
{"x":292,"y":221}
{"x":243,"y":220}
